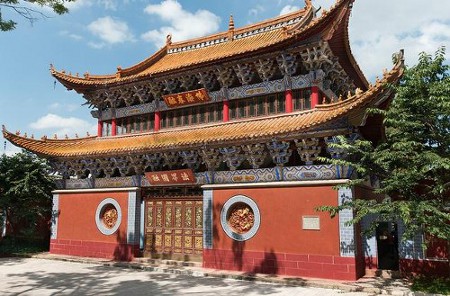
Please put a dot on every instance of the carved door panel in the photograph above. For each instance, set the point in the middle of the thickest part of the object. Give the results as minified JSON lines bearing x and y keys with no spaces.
{"x":174,"y":226}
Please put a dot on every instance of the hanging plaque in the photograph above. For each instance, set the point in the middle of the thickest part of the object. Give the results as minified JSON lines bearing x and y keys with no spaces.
{"x":185,"y":176}
{"x":186,"y":98}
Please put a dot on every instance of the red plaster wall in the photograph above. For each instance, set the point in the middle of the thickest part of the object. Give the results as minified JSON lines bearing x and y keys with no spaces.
{"x":425,"y":267}
{"x":281,"y":220}
{"x":281,"y":246}
{"x":77,"y":231}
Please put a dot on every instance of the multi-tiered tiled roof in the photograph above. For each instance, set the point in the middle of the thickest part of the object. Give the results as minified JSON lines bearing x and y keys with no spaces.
{"x":256,"y":39}
{"x":284,"y":126}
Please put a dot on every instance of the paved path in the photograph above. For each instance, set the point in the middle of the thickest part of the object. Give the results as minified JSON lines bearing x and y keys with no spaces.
{"x":32,"y":276}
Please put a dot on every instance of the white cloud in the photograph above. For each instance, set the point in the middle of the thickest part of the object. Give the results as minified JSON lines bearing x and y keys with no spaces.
{"x":54,"y":106}
{"x":289,"y":8}
{"x":57,"y":106}
{"x":108,"y":4}
{"x":71,"y":35}
{"x":61,"y":126}
{"x":11,"y":149}
{"x":183,"y":24}
{"x":255,"y":11}
{"x":377,"y":29}
{"x":78,"y":4}
{"x":110,"y":31}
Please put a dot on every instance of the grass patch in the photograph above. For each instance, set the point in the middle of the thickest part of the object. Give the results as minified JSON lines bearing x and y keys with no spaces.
{"x":432,"y":285}
{"x":21,"y":246}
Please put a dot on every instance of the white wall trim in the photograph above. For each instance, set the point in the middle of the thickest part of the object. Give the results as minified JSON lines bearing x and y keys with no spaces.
{"x":277,"y":184}
{"x":96,"y":190}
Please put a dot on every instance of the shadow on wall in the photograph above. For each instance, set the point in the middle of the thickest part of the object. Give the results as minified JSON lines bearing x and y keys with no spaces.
{"x":409,"y":267}
{"x":123,"y":251}
{"x":238,"y":253}
{"x":269,"y":264}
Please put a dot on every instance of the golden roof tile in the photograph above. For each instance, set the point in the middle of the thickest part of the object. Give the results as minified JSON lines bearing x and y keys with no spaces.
{"x":253,"y":38}
{"x":261,"y":129}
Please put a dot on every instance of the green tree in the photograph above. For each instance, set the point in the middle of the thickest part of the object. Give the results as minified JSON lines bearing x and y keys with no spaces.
{"x":25,"y":192}
{"x":26,"y":9}
{"x":412,"y":161}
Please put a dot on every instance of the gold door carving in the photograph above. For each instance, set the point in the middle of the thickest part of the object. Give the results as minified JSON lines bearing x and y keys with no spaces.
{"x":174,"y":226}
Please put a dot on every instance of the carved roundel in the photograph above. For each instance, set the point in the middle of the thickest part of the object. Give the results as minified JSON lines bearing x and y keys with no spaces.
{"x":240,"y":218}
{"x":108,"y":216}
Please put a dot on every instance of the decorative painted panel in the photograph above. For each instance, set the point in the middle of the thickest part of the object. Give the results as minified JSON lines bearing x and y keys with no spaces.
{"x":55,"y":214}
{"x":310,"y":172}
{"x":256,"y":89}
{"x":79,"y":183}
{"x":132,"y":110}
{"x":302,"y":81}
{"x":346,"y":232}
{"x":203,"y":178}
{"x":410,"y":248}
{"x":60,"y":183}
{"x":134,"y":212}
{"x":246,"y":176}
{"x":115,"y":182}
{"x":208,"y":219}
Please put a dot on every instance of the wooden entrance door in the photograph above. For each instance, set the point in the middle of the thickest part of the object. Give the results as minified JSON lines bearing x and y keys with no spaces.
{"x":387,"y":246}
{"x":174,"y":227}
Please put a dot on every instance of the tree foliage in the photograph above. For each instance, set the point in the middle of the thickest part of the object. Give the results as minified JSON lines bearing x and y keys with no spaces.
{"x":26,"y":9}
{"x":412,"y":163}
{"x":25,"y":191}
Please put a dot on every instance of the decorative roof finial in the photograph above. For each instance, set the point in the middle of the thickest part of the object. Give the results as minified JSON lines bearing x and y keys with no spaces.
{"x":231,"y":28}
{"x":378,"y":81}
{"x":169,"y":39}
{"x":55,"y":136}
{"x":231,"y":23}
{"x":119,"y":72}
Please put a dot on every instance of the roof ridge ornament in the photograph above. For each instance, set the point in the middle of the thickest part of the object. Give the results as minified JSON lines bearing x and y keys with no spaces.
{"x":230,"y":28}
{"x":169,"y":39}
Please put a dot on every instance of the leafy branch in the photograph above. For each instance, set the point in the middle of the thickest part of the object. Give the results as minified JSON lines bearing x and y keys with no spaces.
{"x":25,"y":9}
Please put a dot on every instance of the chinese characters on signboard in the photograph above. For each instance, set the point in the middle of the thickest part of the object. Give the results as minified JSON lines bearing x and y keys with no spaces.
{"x":171,"y":177}
{"x":186,"y":98}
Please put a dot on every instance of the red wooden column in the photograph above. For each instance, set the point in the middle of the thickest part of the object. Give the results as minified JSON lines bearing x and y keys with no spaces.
{"x":226,"y":110}
{"x":99,"y":128}
{"x":157,"y":121}
{"x":113,"y":127}
{"x":314,"y":96}
{"x":288,"y":100}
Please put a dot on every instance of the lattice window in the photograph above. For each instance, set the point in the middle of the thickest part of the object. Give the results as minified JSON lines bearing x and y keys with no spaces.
{"x":301,"y":99}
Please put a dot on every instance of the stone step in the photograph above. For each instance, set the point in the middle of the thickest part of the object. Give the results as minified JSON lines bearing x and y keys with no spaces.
{"x":382,"y":273}
{"x":166,"y":262}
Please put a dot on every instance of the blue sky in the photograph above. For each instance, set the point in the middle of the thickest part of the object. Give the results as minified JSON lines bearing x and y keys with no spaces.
{"x":99,"y":35}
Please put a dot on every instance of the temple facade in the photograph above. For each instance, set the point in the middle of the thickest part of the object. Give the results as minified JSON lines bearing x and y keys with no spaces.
{"x":208,"y":150}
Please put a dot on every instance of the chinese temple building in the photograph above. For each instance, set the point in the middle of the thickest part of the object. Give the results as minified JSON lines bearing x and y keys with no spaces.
{"x":207,"y":150}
